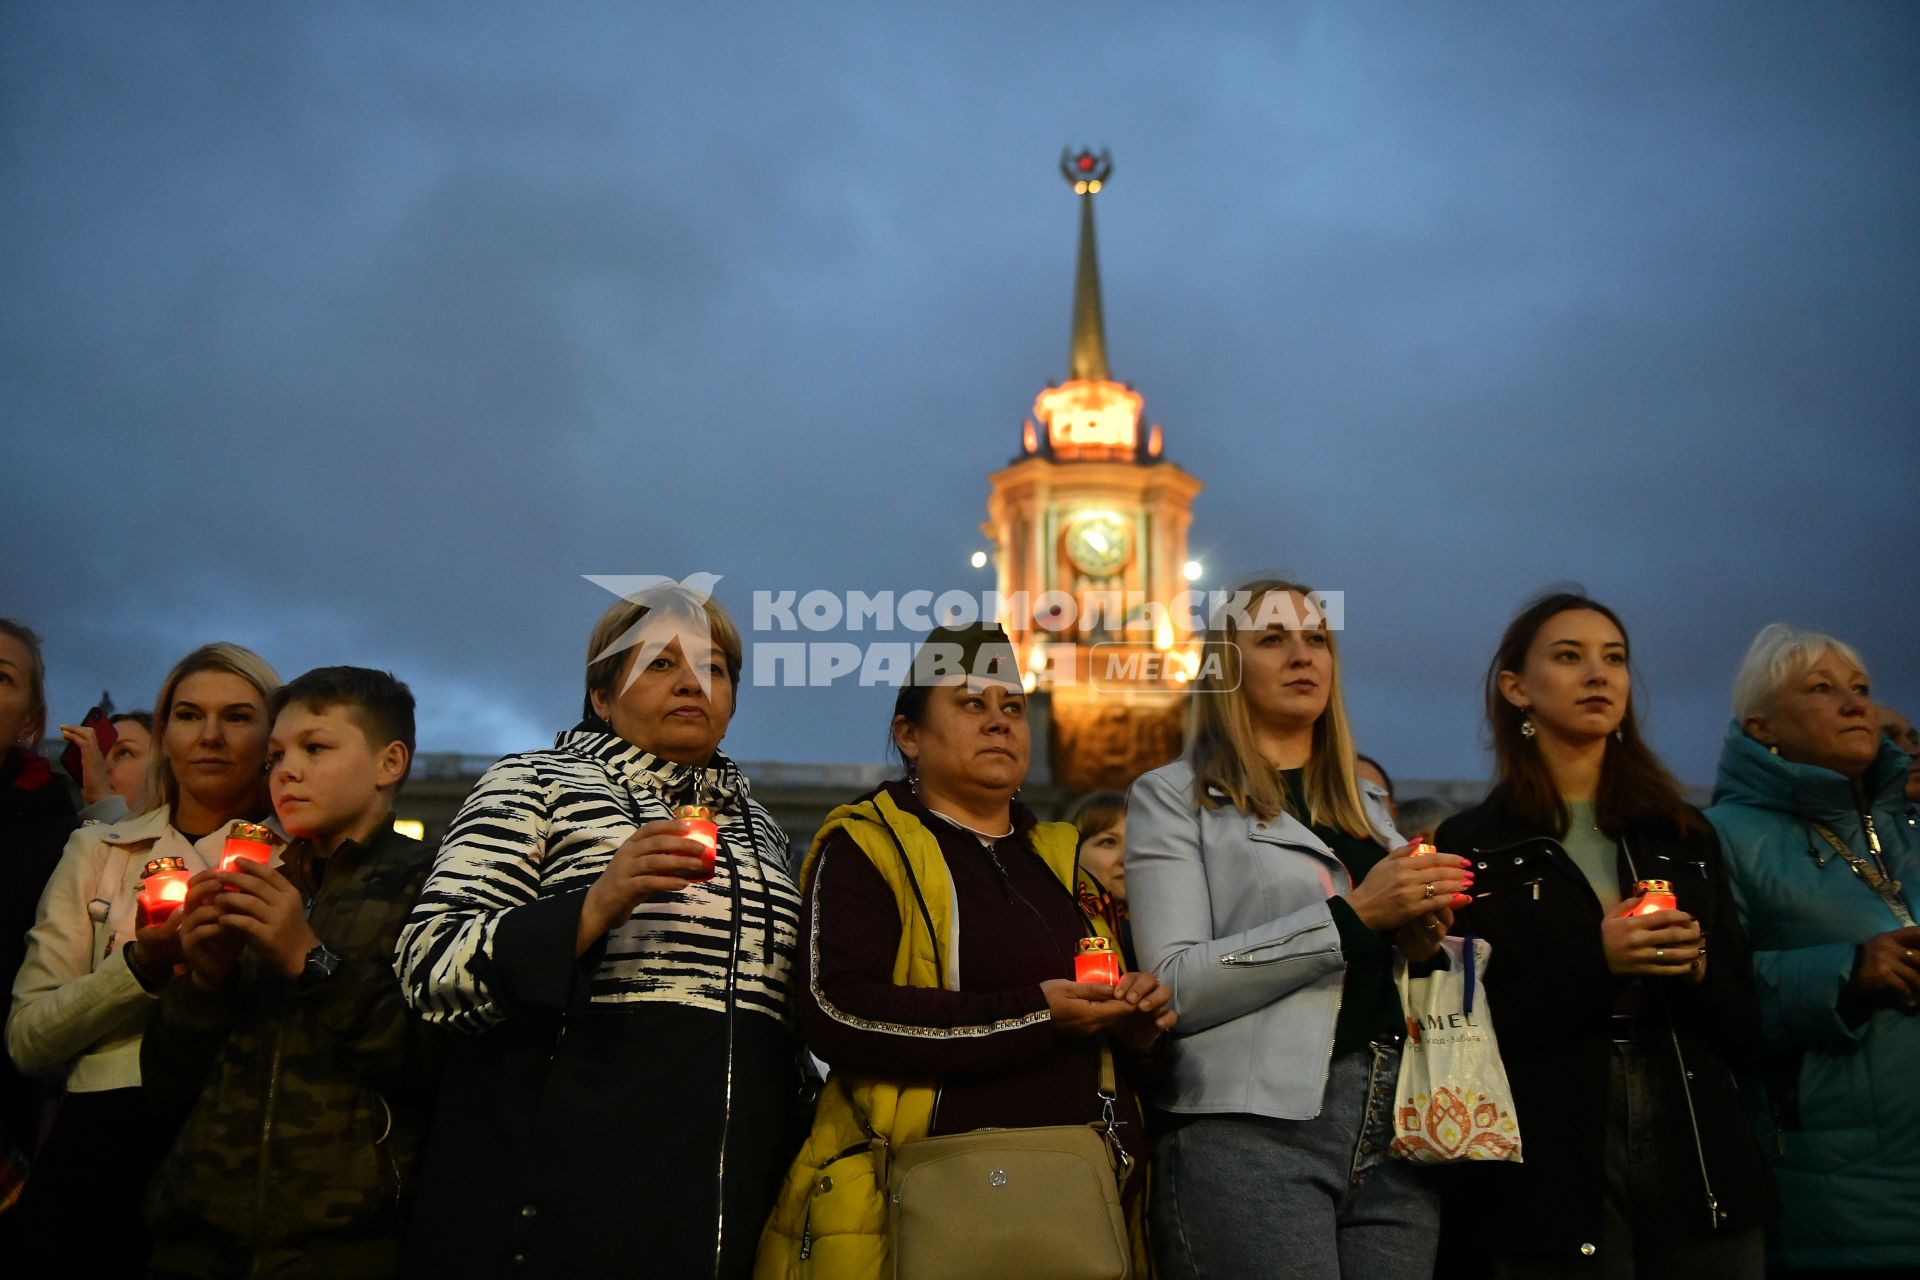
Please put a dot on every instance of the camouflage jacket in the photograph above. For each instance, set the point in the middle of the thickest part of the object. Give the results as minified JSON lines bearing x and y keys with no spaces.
{"x":301,"y":1111}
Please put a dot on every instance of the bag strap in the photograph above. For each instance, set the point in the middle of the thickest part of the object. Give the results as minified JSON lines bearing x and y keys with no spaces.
{"x":113,"y":874}
{"x":1109,"y":1091}
{"x":1885,"y":886}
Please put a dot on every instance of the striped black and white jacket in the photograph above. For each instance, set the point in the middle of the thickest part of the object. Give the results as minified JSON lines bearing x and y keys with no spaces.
{"x":544,"y":823}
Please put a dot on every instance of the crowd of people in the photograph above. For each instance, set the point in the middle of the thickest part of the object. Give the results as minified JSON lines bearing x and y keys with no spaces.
{"x":609,"y":1028}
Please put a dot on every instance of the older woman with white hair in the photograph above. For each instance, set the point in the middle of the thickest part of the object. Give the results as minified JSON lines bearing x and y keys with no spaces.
{"x":1809,"y":808}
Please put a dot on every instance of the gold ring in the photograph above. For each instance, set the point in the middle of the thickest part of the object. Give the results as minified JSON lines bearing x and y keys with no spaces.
{"x":1659,"y":953}
{"x":1430,"y":894}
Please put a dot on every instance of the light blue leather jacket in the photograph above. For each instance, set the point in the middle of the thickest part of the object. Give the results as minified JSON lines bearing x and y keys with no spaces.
{"x":1230,"y":912}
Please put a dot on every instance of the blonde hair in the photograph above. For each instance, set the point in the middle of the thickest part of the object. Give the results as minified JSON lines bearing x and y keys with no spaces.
{"x":1778,"y":656}
{"x":605,"y":661}
{"x":163,"y":789}
{"x":1221,"y":746}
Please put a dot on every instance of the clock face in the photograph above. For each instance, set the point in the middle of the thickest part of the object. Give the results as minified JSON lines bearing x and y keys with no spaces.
{"x":1098,"y":545}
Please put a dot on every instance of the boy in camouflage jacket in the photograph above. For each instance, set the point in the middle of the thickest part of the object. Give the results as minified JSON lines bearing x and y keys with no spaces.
{"x":298,"y":1076}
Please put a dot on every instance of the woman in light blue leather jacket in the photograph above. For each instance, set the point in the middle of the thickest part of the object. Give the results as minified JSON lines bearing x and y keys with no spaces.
{"x":1265,"y":895}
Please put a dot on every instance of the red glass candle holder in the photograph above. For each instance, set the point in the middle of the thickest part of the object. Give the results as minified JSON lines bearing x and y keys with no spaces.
{"x":697,"y":824}
{"x":163,"y":887}
{"x":1097,"y":962}
{"x":247,"y":842}
{"x":1654,"y":895}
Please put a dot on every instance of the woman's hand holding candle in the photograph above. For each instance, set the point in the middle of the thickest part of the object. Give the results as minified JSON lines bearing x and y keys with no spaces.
{"x":1135,"y":1012}
{"x":1665,"y":944}
{"x":658,"y":858}
{"x":268,"y":911}
{"x":1083,"y":1008}
{"x":156,"y":947}
{"x":1409,"y":883}
{"x":1419,"y":940}
{"x":1153,"y":1014}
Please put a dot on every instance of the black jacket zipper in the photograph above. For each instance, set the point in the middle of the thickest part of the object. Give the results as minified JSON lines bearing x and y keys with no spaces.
{"x":1679,"y":1056}
{"x":1686,"y":1079}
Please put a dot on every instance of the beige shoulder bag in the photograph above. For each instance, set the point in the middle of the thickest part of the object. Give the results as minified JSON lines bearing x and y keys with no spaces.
{"x":996,"y":1203}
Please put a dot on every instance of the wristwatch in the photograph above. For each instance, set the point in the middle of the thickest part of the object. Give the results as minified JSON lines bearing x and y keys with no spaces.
{"x":321,"y":964}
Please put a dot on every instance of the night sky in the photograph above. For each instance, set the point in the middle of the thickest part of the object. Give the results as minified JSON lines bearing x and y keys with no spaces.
{"x":358,"y":333}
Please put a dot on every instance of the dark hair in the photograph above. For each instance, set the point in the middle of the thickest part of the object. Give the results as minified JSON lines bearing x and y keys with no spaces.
{"x":36,"y":679}
{"x":1362,"y":758}
{"x":382,"y":705}
{"x":945,"y":651}
{"x":1634,"y":785}
{"x":142,"y":718}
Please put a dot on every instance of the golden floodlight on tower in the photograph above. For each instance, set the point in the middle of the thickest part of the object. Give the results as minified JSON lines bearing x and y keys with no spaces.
{"x":1089,"y":530}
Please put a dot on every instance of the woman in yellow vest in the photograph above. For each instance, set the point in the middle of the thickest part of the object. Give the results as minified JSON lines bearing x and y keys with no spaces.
{"x":939,"y":926}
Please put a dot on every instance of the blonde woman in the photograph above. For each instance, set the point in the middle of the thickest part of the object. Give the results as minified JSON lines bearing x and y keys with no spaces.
{"x":1266,"y":897}
{"x":91,"y":974}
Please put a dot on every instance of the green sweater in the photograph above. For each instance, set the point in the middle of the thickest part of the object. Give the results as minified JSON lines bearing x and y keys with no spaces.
{"x":1597,"y":857}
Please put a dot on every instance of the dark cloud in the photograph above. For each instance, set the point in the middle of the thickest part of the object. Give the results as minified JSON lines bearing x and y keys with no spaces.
{"x":358,"y":334}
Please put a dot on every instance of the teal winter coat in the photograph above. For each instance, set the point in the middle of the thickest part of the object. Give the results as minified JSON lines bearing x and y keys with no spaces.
{"x":1840,"y":1112}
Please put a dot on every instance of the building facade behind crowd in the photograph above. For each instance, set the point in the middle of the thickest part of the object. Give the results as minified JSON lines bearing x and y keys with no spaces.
{"x":365,"y":1056}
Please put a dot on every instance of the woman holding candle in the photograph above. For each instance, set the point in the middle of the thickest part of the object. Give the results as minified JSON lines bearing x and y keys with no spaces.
{"x":93,"y":968}
{"x":1824,"y":855}
{"x":1264,"y":894}
{"x":1620,"y":983}
{"x":618,"y":974}
{"x":943,"y":929}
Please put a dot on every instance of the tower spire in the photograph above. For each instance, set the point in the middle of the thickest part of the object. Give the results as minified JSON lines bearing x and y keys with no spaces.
{"x":1086,"y":173}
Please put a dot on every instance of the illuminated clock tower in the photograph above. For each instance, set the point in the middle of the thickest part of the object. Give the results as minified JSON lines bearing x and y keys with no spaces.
{"x":1089,"y":528}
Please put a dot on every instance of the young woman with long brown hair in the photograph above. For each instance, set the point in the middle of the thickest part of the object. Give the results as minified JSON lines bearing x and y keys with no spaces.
{"x":1617,"y":1028}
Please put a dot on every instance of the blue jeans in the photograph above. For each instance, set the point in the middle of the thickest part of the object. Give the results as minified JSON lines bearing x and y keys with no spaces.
{"x":1237,"y":1197}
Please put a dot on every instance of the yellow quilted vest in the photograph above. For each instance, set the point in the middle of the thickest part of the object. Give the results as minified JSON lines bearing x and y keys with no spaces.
{"x":829,"y":1221}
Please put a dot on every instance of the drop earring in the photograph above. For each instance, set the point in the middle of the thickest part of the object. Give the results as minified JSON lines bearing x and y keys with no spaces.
{"x":1526,"y":726}
{"x":913,"y":777}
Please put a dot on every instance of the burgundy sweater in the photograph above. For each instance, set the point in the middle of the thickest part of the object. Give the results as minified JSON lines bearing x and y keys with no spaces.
{"x":990,"y":1046}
